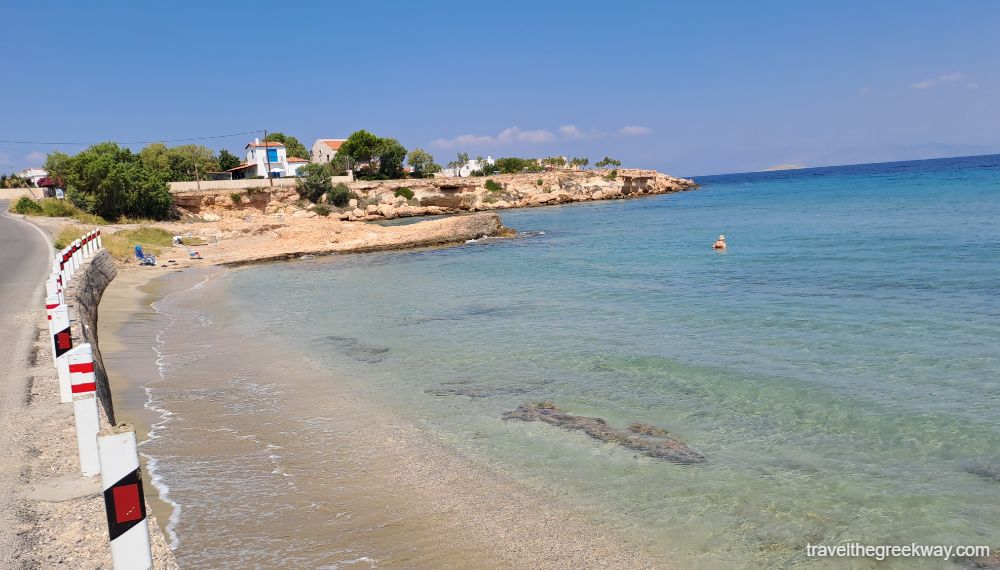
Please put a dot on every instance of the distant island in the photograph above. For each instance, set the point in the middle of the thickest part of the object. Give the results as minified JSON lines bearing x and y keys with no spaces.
{"x":784,"y":167}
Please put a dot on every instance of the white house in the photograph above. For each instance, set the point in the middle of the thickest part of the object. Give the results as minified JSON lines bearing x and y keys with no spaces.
{"x":468,"y":168}
{"x":33,"y":175}
{"x":264,"y":155}
{"x":323,"y":150}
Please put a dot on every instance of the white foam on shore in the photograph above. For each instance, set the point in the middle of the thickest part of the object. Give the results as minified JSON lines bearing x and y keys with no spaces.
{"x":155,"y":478}
{"x":152,"y":463}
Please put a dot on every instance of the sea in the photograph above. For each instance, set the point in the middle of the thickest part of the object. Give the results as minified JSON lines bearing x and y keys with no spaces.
{"x":837,"y":366}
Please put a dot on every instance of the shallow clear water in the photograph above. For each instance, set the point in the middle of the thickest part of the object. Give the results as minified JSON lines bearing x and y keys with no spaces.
{"x":838,"y":365}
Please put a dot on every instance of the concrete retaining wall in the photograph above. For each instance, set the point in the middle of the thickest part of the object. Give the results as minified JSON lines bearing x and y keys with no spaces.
{"x":244,"y":184}
{"x":85,"y":292}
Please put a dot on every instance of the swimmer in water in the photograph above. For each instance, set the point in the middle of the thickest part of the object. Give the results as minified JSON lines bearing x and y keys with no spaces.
{"x":720,"y":243}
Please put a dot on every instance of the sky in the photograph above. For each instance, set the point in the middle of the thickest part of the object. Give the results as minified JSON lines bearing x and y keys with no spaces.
{"x":689,"y":88}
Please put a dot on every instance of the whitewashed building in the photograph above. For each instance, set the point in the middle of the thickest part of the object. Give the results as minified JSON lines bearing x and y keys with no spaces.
{"x":33,"y":175}
{"x":323,"y":150}
{"x":466,"y":169}
{"x":267,"y":160}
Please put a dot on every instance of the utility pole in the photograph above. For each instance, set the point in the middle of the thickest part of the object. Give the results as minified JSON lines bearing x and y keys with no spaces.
{"x":268,"y":155}
{"x":196,"y":177}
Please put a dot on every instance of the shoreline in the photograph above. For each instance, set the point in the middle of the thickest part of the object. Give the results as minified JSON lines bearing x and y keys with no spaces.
{"x":470,"y":500}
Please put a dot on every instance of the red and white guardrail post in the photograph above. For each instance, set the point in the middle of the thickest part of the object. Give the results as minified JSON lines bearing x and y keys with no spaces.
{"x":62,"y":342}
{"x":124,"y":503}
{"x":83,"y":385}
{"x":100,"y":244}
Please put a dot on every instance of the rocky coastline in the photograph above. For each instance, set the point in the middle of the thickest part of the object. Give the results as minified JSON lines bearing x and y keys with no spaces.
{"x":388,"y":199}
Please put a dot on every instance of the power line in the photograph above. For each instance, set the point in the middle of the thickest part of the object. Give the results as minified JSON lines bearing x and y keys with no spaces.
{"x":136,"y":142}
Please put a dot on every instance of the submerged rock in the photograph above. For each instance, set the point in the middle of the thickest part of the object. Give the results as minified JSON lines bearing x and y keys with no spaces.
{"x":356,"y":349}
{"x":472,"y":390}
{"x":988,"y":470}
{"x":649,"y":439}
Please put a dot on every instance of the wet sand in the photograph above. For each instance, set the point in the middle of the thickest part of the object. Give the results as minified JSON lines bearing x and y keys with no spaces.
{"x":396,"y":498}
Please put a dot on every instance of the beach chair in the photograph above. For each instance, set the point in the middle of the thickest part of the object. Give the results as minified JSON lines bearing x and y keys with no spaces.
{"x":143,"y":258}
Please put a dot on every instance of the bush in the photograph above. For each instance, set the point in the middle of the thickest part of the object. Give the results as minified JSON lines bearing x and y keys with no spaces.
{"x":492,"y":186}
{"x":539,"y":182}
{"x":613,"y":174}
{"x":339,"y":196}
{"x":236,"y":197}
{"x":313,"y":182}
{"x":321,"y":210}
{"x":25,"y":206}
{"x":404,"y":192}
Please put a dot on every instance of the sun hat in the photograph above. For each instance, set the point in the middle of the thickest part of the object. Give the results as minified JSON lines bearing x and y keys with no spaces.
{"x":722,"y":237}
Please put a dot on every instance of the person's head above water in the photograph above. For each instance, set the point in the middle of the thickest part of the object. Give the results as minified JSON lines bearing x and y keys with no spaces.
{"x":722,"y":237}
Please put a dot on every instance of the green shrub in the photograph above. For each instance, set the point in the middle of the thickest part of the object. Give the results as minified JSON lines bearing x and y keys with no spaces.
{"x":613,"y":174}
{"x":539,"y":182}
{"x":236,"y":197}
{"x":490,"y":199}
{"x":25,"y":206}
{"x":492,"y":186}
{"x":56,"y":208}
{"x":314,"y":182}
{"x":321,"y":210}
{"x":340,"y":195}
{"x":404,"y":192}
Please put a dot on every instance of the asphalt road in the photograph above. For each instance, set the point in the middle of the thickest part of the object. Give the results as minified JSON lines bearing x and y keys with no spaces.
{"x":25,"y":259}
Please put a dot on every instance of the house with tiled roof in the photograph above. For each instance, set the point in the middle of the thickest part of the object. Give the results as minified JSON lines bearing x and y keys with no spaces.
{"x":323,"y":150}
{"x":267,"y":159}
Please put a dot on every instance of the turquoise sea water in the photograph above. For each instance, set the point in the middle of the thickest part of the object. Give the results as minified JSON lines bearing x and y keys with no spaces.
{"x":839,"y":365}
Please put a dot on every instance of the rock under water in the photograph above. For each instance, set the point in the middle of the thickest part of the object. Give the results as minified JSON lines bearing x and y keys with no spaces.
{"x":473,"y":390}
{"x":649,"y":439}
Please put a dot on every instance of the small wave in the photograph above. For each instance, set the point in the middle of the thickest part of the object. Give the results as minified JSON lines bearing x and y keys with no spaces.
{"x":372,"y":563}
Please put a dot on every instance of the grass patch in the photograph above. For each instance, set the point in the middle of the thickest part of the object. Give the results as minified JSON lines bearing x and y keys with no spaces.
{"x":55,"y":208}
{"x":404,"y":192}
{"x":493,"y":186}
{"x":321,"y":210}
{"x":236,"y":197}
{"x":121,"y":244}
{"x":539,"y":182}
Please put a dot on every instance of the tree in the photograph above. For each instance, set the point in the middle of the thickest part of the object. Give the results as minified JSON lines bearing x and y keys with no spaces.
{"x":112,"y":182}
{"x":57,"y":164}
{"x":340,"y":164}
{"x":461,"y":159}
{"x":292,"y":145}
{"x":314,"y":181}
{"x":361,"y":147}
{"x":608,"y":161}
{"x":581,"y":163}
{"x":374,"y":157}
{"x":391,"y":155}
{"x":554,"y":161}
{"x":228,"y":160}
{"x":422,"y":162}
{"x":514,"y":165}
{"x":179,"y":163}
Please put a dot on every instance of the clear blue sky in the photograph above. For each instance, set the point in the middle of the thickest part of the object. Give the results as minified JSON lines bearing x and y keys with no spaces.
{"x":687,"y":87}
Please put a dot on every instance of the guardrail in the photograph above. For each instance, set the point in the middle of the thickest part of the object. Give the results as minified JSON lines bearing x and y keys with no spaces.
{"x":113,"y":453}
